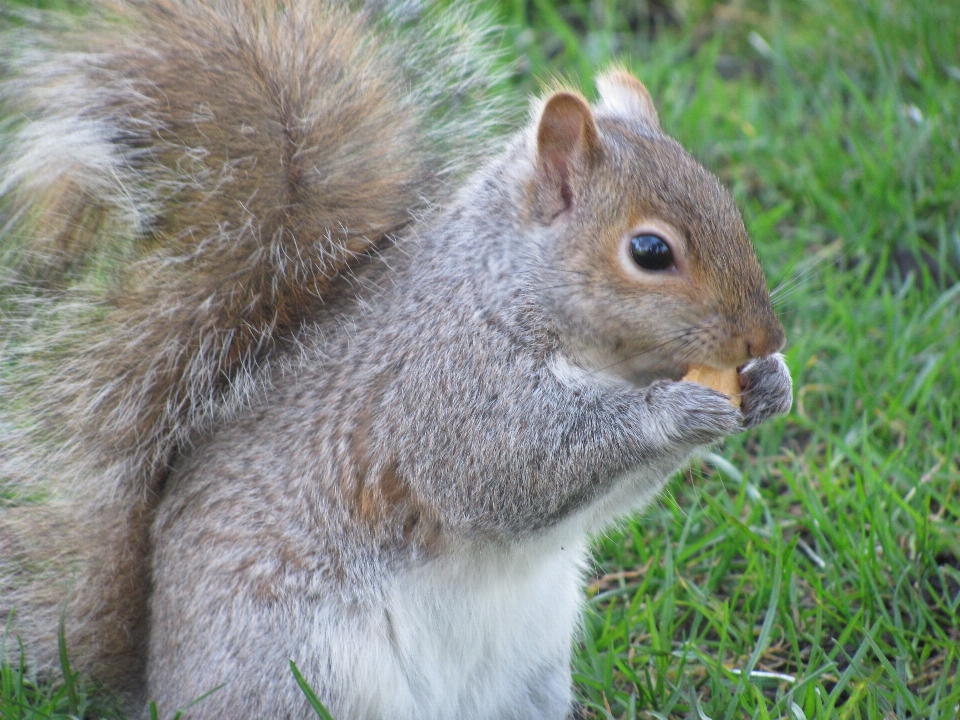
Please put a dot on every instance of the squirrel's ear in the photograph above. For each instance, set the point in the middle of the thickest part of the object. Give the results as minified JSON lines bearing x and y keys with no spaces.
{"x":621,"y":94}
{"x":566,"y":147}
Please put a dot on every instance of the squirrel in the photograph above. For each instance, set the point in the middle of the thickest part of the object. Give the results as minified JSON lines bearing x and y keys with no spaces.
{"x":303,"y":361}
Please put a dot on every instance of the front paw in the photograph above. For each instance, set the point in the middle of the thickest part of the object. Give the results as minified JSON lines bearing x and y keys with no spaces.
{"x":767,"y":390}
{"x":695,"y":414}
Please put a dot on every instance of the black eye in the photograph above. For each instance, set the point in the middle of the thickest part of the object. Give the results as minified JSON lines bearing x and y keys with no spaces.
{"x":651,"y":252}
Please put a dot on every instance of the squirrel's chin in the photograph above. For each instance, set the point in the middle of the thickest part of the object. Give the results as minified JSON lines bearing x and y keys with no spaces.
{"x":647,"y":376}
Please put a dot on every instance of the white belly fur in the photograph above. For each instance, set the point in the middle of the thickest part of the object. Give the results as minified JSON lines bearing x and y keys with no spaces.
{"x":484,"y":631}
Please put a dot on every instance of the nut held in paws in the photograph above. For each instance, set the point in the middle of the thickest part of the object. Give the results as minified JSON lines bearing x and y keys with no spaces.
{"x":725,"y":381}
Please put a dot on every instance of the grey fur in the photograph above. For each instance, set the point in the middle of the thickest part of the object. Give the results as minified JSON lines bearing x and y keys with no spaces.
{"x":262,"y":444}
{"x":179,"y":181}
{"x":434,"y":397}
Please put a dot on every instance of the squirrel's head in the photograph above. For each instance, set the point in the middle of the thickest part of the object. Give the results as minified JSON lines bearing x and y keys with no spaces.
{"x":645,"y":257}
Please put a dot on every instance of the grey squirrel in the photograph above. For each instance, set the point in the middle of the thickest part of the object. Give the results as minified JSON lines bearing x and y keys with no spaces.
{"x":279,"y":384}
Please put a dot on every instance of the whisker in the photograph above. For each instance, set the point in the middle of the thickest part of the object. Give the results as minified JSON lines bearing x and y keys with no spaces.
{"x":562,"y":270}
{"x":683,"y":336}
{"x":786,"y":275}
{"x":566,"y":285}
{"x":789,"y":283}
{"x":792,"y":283}
{"x":686,"y":356}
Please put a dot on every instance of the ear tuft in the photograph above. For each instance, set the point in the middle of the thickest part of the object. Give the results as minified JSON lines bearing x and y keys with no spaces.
{"x":567,"y":141}
{"x":622,"y":95}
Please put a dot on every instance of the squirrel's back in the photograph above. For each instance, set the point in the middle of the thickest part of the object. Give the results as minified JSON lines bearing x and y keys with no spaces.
{"x":182,"y":181}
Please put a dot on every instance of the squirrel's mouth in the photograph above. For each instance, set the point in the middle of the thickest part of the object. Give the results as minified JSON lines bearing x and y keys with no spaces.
{"x":644,"y":377}
{"x":639,"y":369}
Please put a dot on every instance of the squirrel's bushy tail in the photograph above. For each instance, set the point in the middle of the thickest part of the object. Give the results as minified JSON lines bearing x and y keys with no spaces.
{"x":179,"y":180}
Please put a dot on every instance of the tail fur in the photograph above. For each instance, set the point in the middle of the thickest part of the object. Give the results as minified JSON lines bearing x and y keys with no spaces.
{"x":180,"y":182}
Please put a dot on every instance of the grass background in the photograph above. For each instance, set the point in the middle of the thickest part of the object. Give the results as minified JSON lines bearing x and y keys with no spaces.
{"x":813,"y":568}
{"x":810,"y":568}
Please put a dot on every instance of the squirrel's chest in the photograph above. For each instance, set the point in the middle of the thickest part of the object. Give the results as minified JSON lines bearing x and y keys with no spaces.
{"x":479,"y":633}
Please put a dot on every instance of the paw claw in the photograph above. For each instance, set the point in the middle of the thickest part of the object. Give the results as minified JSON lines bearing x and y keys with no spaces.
{"x":767,"y":389}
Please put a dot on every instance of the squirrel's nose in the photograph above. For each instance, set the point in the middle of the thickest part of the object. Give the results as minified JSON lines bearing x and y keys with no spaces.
{"x":766,"y":342}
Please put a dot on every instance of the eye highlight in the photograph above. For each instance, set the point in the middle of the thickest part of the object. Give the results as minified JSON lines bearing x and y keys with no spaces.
{"x":651,"y":252}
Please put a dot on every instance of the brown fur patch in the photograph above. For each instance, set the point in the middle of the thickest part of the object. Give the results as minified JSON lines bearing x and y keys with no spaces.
{"x":380,"y":498}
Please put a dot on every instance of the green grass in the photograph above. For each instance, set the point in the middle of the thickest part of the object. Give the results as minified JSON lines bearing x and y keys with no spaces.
{"x":22,"y":697}
{"x":812,"y":567}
